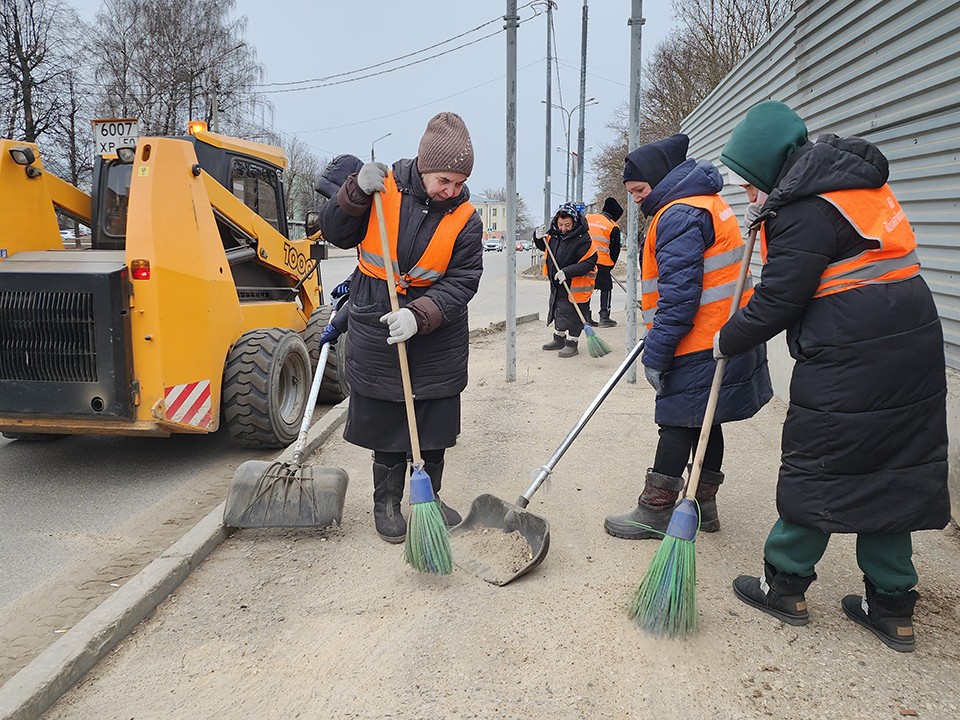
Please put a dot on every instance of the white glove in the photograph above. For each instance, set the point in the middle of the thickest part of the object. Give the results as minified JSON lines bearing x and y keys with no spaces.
{"x":371,"y":177}
{"x":560,"y":276}
{"x":402,"y":324}
{"x":539,"y":233}
{"x":752,"y":213}
{"x":717,"y":355}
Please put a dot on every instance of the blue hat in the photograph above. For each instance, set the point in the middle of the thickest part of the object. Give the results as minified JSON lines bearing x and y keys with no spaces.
{"x":652,"y":162}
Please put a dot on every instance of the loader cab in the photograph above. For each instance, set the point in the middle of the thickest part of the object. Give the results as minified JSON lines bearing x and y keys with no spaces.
{"x":109,"y":201}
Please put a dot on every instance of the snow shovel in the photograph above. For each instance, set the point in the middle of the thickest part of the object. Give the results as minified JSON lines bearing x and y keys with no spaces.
{"x":489,"y":514}
{"x":288,"y":494}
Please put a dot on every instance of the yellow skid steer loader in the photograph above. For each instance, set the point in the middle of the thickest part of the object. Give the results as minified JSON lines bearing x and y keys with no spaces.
{"x":190,"y":308}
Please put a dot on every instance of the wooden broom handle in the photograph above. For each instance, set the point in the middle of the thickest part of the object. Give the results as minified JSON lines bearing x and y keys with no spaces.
{"x":565,"y":286}
{"x":718,"y":374}
{"x":401,"y":346}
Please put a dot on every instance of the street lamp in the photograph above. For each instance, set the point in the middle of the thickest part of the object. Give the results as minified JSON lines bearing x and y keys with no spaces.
{"x":566,"y":130}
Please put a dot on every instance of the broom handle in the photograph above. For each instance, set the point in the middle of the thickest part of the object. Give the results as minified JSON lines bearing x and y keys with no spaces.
{"x":718,"y":374}
{"x":565,"y":286}
{"x":401,"y":346}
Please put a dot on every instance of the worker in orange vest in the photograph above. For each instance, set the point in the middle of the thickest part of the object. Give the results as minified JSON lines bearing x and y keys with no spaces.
{"x":606,"y":239}
{"x":864,"y":446}
{"x":436,"y":251}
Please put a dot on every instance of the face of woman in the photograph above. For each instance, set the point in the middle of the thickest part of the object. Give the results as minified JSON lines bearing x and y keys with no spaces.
{"x":638,"y":190}
{"x":443,"y":185}
{"x":564,"y":224}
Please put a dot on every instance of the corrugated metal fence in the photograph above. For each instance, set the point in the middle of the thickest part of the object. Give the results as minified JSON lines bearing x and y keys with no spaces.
{"x":888,"y":72}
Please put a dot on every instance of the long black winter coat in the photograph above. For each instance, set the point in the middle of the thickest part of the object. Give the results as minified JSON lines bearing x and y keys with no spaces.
{"x":568,"y":249}
{"x":865,"y":439}
{"x":684,"y":233}
{"x":438,"y":352}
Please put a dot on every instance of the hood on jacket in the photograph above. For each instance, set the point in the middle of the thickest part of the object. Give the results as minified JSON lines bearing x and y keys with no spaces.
{"x":336,"y":173}
{"x":691,"y":177}
{"x":832,"y":163}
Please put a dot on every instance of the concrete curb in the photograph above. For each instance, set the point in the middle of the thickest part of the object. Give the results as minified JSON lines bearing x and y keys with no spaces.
{"x":33,"y":690}
{"x":502,"y":325}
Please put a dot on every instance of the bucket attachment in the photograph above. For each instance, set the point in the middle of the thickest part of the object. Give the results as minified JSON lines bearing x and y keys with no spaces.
{"x":499,"y":541}
{"x":278,"y":494}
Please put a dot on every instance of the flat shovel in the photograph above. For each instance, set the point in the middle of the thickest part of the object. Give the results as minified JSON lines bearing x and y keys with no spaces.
{"x":487,"y":540}
{"x":267,"y":493}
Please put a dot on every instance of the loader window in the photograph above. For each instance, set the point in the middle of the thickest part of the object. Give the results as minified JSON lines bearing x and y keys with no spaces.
{"x":259,"y":188}
{"x":113,"y":219}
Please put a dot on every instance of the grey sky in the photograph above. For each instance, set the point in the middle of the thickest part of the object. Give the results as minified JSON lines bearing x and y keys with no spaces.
{"x":298,"y":40}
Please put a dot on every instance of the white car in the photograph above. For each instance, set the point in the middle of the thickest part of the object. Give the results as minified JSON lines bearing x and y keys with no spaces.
{"x":490,"y":245}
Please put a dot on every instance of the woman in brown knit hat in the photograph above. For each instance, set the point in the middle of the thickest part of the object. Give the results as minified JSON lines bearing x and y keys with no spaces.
{"x":434,"y":235}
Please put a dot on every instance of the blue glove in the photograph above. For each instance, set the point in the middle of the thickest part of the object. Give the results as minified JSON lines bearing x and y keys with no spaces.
{"x":330,"y":334}
{"x":654,"y":377}
{"x":341,"y":289}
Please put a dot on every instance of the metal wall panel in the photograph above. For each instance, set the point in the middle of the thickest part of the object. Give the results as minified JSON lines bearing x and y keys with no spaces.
{"x":887,"y":71}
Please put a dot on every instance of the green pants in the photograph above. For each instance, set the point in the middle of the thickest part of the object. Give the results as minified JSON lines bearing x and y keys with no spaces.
{"x":885,"y":558}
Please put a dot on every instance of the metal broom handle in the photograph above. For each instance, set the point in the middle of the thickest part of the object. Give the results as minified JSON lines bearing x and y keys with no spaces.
{"x":718,"y":374}
{"x":401,"y":346}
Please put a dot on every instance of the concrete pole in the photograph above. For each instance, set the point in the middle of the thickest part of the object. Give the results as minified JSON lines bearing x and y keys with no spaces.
{"x":548,"y":151}
{"x":510,"y":237}
{"x":633,"y":212}
{"x":583,"y":104}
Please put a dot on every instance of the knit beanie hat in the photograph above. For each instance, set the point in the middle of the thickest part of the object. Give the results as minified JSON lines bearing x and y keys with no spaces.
{"x":445,"y":146}
{"x":652,"y":162}
{"x":760,"y":144}
{"x":612,"y":209}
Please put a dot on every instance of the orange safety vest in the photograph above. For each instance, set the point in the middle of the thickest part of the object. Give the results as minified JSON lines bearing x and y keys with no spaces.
{"x":435,"y":259}
{"x":581,"y":286}
{"x":600,"y":228}
{"x":721,"y":268}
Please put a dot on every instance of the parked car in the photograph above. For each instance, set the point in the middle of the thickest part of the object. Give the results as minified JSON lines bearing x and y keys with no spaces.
{"x":519,"y":246}
{"x":490,"y":245}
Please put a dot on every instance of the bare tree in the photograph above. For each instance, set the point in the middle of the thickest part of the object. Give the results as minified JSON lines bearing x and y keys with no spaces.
{"x":525,"y":219}
{"x":300,"y":178}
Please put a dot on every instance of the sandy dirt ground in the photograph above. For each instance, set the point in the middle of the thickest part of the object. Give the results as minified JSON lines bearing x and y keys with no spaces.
{"x":333,"y":624}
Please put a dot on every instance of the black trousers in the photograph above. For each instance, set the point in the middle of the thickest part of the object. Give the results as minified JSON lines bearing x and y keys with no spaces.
{"x":434,"y":457}
{"x":677,"y":446}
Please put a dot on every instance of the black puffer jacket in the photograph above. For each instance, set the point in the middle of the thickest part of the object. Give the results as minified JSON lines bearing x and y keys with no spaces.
{"x":568,"y":249}
{"x":438,"y":352}
{"x":865,"y":440}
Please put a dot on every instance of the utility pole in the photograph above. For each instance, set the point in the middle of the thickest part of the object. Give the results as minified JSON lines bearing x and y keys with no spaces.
{"x":547,"y":200}
{"x":633,"y":219}
{"x":583,"y":103}
{"x":512,"y":20}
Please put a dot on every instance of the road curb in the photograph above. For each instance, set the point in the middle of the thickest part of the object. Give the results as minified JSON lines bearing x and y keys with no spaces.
{"x":33,"y":690}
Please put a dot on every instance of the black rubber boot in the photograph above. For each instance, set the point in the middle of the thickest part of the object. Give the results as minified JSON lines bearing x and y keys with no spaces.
{"x":654,"y":509}
{"x":707,"y":500}
{"x":556,"y":343}
{"x":605,"y":320}
{"x":388,"y":484}
{"x":777,"y":593}
{"x":889,"y":617}
{"x":569,"y":349}
{"x":435,"y":470}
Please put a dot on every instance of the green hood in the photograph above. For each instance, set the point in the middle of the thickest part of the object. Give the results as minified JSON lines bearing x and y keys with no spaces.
{"x":758,"y":147}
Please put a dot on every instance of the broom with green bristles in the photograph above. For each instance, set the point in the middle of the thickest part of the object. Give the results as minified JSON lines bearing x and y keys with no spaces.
{"x":427,"y":546}
{"x":596,"y":345}
{"x":665,"y":602}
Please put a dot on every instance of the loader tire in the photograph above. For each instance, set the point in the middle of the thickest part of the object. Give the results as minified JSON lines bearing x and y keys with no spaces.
{"x":266,"y":384}
{"x":334,"y":386}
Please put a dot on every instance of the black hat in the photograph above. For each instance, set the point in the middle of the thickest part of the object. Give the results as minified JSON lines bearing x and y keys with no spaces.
{"x":336,"y":173}
{"x":652,"y":162}
{"x":612,"y":209}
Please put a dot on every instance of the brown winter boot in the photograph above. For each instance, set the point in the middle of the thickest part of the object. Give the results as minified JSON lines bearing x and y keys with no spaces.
{"x":556,"y":343}
{"x":652,"y":514}
{"x":435,"y":470}
{"x":388,"y":484}
{"x":707,"y":500}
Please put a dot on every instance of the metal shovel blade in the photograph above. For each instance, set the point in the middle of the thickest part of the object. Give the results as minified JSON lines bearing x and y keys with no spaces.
{"x":492,"y":520}
{"x":276,"y":494}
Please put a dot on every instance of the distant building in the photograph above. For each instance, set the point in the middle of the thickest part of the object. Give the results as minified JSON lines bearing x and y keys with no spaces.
{"x":493,"y":215}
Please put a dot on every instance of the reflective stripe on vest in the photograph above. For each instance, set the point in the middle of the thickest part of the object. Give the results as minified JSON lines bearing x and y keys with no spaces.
{"x":600,"y":228}
{"x":721,"y":268}
{"x":432,"y":264}
{"x":876,"y":215}
{"x":581,"y":286}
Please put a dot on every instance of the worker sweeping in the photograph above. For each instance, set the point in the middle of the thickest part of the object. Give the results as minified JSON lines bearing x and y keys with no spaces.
{"x":689,"y":266}
{"x":571,"y":263}
{"x":606,"y":240}
{"x":864,"y":446}
{"x":435,"y":237}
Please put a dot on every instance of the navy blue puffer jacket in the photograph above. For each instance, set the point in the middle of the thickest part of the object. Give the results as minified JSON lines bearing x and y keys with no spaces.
{"x":683,"y":234}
